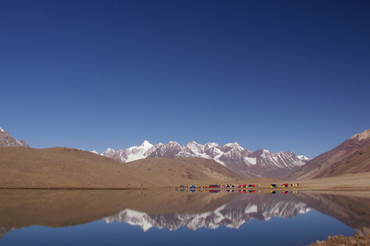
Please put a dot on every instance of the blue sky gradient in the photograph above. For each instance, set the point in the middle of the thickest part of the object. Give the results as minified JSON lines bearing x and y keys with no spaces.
{"x":276,"y":75}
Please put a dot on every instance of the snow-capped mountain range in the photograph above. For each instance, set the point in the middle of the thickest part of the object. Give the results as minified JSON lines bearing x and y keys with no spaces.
{"x":259,"y":163}
{"x":232,"y":214}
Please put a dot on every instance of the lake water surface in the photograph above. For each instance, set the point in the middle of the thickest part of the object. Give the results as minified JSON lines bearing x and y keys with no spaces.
{"x":162,"y":217}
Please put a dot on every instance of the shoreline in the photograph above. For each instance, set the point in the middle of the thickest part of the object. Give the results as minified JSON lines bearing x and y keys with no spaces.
{"x":357,"y":239}
{"x":99,"y":202}
{"x":306,"y":188}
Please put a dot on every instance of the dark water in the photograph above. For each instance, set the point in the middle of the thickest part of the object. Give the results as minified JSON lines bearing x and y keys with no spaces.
{"x":175,"y":218}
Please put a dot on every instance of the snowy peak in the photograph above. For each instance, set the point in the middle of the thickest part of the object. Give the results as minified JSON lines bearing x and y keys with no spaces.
{"x":108,"y":152}
{"x":144,"y":146}
{"x":131,"y":154}
{"x":303,"y":158}
{"x":259,"y":163}
{"x":195,"y":148}
{"x":6,"y":140}
{"x":234,"y":145}
{"x":210,"y":145}
{"x":192,"y":143}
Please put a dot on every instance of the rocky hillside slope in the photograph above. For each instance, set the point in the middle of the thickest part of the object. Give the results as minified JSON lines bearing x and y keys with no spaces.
{"x":348,"y":157}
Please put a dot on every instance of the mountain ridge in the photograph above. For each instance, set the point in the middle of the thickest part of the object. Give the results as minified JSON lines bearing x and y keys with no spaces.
{"x":259,"y":163}
{"x":326,"y":164}
{"x":6,"y":140}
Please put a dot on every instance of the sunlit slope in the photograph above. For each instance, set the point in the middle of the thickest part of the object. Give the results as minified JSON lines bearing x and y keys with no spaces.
{"x":192,"y":168}
{"x":358,"y":162}
{"x":23,"y":167}
{"x":68,"y":168}
{"x":328,"y":163}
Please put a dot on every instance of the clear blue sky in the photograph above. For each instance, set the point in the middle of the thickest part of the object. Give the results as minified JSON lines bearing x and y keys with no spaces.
{"x":276,"y":75}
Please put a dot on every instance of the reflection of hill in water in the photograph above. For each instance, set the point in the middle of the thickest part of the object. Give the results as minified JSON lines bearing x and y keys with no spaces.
{"x":160,"y":208}
{"x":351,"y":210}
{"x":233,"y":214}
{"x":4,"y":230}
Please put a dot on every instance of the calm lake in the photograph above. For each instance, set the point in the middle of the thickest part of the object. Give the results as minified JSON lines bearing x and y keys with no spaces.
{"x":163,"y":217}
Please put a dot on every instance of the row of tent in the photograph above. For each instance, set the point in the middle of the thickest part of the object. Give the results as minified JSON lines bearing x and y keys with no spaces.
{"x":283,"y":185}
{"x":285,"y":192}
{"x":239,"y":191}
{"x":215,"y":186}
{"x":229,"y":186}
{"x":217,"y":191}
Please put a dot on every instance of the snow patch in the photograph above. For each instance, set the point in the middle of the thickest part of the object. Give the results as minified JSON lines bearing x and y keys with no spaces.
{"x":251,"y":209}
{"x":251,"y":160}
{"x":234,"y":145}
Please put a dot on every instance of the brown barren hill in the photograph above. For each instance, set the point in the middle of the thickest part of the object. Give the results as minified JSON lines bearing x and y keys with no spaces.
{"x":358,"y":162}
{"x":324,"y":162}
{"x":198,"y":170}
{"x":23,"y":167}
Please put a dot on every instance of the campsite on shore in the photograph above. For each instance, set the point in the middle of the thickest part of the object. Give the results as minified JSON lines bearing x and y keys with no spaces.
{"x":65,"y":178}
{"x":65,"y":168}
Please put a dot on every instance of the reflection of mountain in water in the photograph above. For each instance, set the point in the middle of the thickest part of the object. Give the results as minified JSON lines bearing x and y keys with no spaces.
{"x":172,"y":210}
{"x":351,"y":210}
{"x":232,"y":214}
{"x":4,"y":230}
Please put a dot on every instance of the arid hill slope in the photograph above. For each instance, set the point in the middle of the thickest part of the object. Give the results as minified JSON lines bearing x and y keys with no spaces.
{"x":67,"y":168}
{"x":352,"y":209}
{"x":358,"y":162}
{"x":187,"y":168}
{"x":319,"y":166}
{"x":23,"y":167}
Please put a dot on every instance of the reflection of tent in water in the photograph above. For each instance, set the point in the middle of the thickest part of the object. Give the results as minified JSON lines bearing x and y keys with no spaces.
{"x":272,"y":192}
{"x":214,"y":191}
{"x":214,"y":186}
{"x":273,"y":186}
